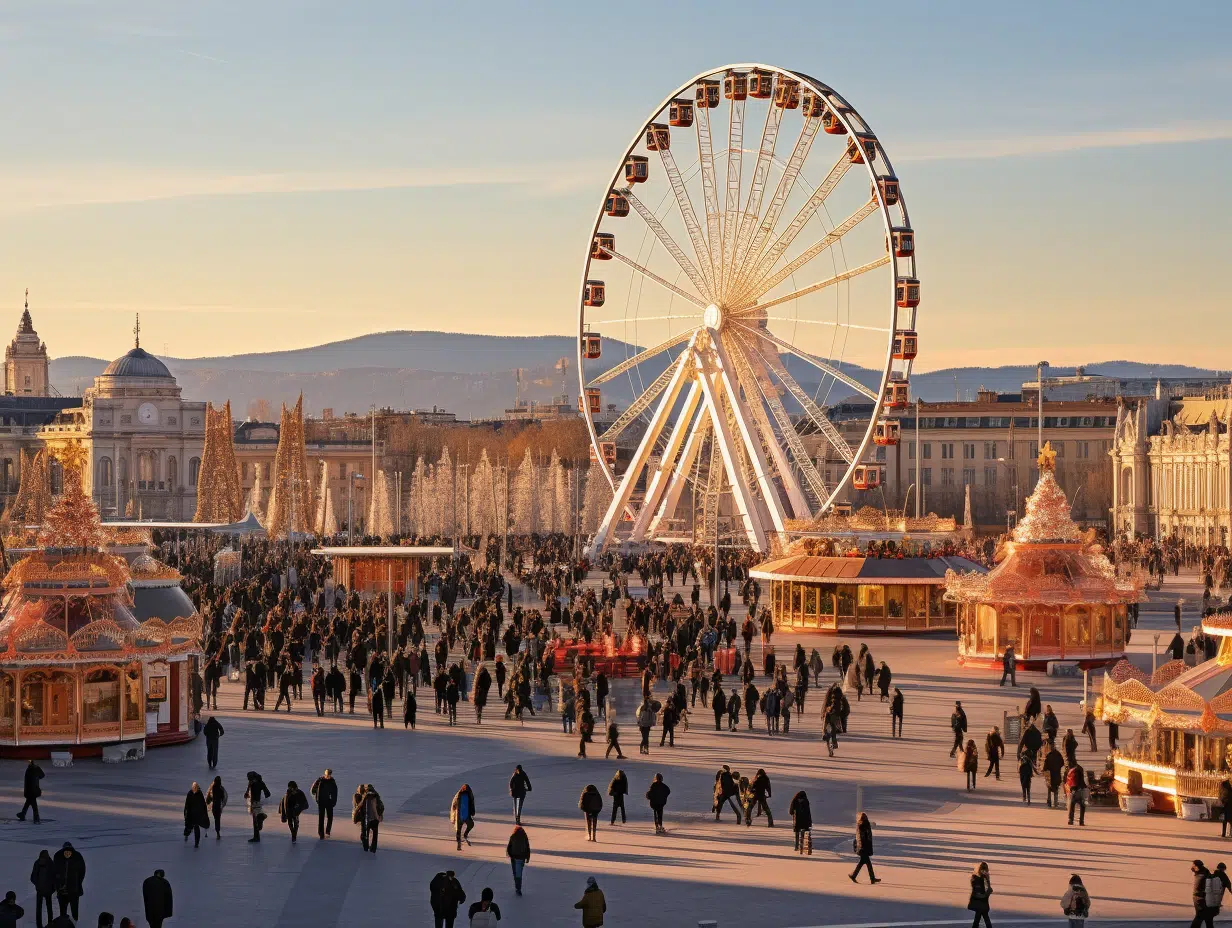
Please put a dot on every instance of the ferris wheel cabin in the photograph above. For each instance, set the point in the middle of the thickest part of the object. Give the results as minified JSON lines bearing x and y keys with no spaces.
{"x":658,"y":137}
{"x":906,"y":345}
{"x":866,"y":477}
{"x":898,"y":392}
{"x":602,"y":247}
{"x":907,"y":293}
{"x":832,"y":124}
{"x":594,"y":292}
{"x":787,"y":94}
{"x":707,"y":94}
{"x":889,"y":190}
{"x":886,"y":432}
{"x":862,"y":148}
{"x":592,"y":346}
{"x":761,"y":84}
{"x":812,"y":104}
{"x":903,"y":241}
{"x":637,"y":169}
{"x":593,"y":400}
{"x":617,"y":205}
{"x":736,"y":85}
{"x":680,"y":113}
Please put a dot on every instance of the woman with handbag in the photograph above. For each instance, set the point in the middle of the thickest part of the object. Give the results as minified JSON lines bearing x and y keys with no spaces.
{"x":862,"y":845}
{"x":1076,"y":903}
{"x":981,"y":890}
{"x":216,"y":799}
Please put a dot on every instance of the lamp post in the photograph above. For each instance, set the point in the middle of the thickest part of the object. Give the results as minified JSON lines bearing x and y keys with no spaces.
{"x":351,"y":506}
{"x":1039,"y":379}
{"x":918,"y":472}
{"x":1012,"y":510}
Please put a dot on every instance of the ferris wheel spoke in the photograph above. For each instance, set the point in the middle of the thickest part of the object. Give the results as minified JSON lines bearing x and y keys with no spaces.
{"x":642,"y":402}
{"x":687,"y":213}
{"x":754,"y":290}
{"x":731,"y":202}
{"x":828,"y":282}
{"x":811,"y":409}
{"x":808,"y":133}
{"x":767,"y":261}
{"x":813,"y":360}
{"x":831,"y":322}
{"x":665,"y":239}
{"x":629,"y":363}
{"x":757,"y":190}
{"x":680,"y":473}
{"x":657,"y":483}
{"x":705,"y":158}
{"x":651,"y":275}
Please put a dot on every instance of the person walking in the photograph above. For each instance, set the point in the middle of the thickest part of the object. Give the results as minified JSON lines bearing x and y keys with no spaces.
{"x":896,"y":714}
{"x":10,"y":912}
{"x":291,"y":806}
{"x":1076,"y":902}
{"x":216,"y":800}
{"x":43,"y":876}
{"x":613,"y":742}
{"x":1009,"y":666}
{"x":196,"y":815}
{"x":801,"y":819}
{"x":410,"y":707}
{"x":1054,"y":766}
{"x":31,"y":790}
{"x":1088,"y":728}
{"x":1076,"y":790}
{"x":760,"y":788}
{"x":591,"y":804}
{"x":645,"y":721}
{"x":462,"y":814}
{"x":863,"y":847}
{"x":485,"y":913}
{"x":1202,"y":914}
{"x":324,"y":791}
{"x":518,"y":852}
{"x":445,"y":894}
{"x":378,"y":708}
{"x":254,"y":793}
{"x":213,"y":731}
{"x":592,"y":904}
{"x":368,"y":811}
{"x":994,"y":746}
{"x":981,"y":890}
{"x":519,"y":786}
{"x":958,"y":725}
{"x":657,"y":797}
{"x":70,"y":869}
{"x":618,"y":789}
{"x":969,"y":763}
{"x":156,"y":894}
{"x":725,"y":793}
{"x":1026,"y":772}
{"x":1225,"y":806}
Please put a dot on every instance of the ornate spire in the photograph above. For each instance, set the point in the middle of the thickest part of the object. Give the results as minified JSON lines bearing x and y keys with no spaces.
{"x":137,"y":332}
{"x":27,"y":324}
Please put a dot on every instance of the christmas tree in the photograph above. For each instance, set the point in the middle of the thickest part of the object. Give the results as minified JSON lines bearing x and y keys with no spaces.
{"x":523,"y":502}
{"x":220,"y":498}
{"x":73,"y":521}
{"x":34,"y":490}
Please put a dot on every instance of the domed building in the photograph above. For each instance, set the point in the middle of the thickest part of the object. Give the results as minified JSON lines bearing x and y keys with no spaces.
{"x":143,"y":440}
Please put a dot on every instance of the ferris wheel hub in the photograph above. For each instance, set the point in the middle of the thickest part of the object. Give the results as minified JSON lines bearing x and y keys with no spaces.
{"x":712,"y":317}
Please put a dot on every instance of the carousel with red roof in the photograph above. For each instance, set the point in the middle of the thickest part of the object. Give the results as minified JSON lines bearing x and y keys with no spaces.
{"x":1053,"y":595}
{"x":82,"y":669}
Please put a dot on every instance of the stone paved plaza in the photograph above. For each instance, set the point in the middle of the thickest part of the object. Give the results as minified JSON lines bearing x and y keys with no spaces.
{"x":928,"y":831}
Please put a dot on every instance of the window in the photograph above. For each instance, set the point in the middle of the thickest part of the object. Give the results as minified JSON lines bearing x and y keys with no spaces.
{"x":342,"y":470}
{"x":951,"y":422}
{"x":926,"y":476}
{"x":173,"y":474}
{"x":1087,"y":422}
{"x":244,"y":471}
{"x":911,"y":475}
{"x":968,"y":476}
{"x":1034,"y":450}
{"x":926,"y":451}
{"x":968,"y":451}
{"x":911,"y":452}
{"x":265,"y":473}
{"x":1082,"y":449}
{"x":881,"y":453}
{"x":973,"y":422}
{"x":194,"y":471}
{"x":990,"y":477}
{"x":990,"y":450}
{"x":947,"y":476}
{"x":1059,"y":448}
{"x":947,"y":450}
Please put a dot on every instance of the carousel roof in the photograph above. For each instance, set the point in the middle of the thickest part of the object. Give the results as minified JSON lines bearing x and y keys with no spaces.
{"x":862,"y":570}
{"x":1048,"y":561}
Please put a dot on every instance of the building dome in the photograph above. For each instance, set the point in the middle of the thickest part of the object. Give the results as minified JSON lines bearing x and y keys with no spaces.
{"x":137,"y":363}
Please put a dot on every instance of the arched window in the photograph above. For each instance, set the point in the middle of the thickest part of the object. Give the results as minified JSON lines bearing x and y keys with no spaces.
{"x":194,"y":470}
{"x":100,"y":697}
{"x":57,"y":477}
{"x":8,"y":705}
{"x":105,"y":474}
{"x":173,"y":474}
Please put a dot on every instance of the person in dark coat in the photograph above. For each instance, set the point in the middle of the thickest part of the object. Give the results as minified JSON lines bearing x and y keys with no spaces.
{"x":445,"y":894}
{"x":254,"y":793}
{"x":762,"y":792}
{"x":618,"y":789}
{"x":212,"y":731}
{"x":958,"y":725}
{"x":10,"y":912}
{"x":518,"y":852}
{"x":994,"y":747}
{"x":483,"y":683}
{"x":410,"y":706}
{"x":70,"y":869}
{"x":896,"y":714}
{"x":1054,"y":767}
{"x":196,"y":815}
{"x":378,"y":708}
{"x":591,"y":804}
{"x":43,"y":876}
{"x":291,"y":806}
{"x":801,"y":817}
{"x":1026,"y":772}
{"x":864,"y":848}
{"x":657,"y":797}
{"x":31,"y":790}
{"x":981,"y":890}
{"x":156,"y":893}
{"x":216,"y":800}
{"x":725,"y":792}
{"x":324,"y":790}
{"x":519,"y":786}
{"x":462,"y":814}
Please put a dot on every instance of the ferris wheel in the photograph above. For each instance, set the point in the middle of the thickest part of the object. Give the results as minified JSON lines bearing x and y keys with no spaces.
{"x":731,"y":297}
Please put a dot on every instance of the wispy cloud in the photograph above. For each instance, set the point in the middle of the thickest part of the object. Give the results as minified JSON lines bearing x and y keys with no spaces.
{"x":204,"y":57}
{"x":1062,"y":143}
{"x":27,"y":188}
{"x":129,"y":308}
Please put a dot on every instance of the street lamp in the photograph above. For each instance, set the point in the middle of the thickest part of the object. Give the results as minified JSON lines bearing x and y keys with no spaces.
{"x":1013,"y":509}
{"x":351,"y":506}
{"x":1039,"y":379}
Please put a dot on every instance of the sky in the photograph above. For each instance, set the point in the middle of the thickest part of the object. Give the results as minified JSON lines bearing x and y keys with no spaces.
{"x":266,"y":175}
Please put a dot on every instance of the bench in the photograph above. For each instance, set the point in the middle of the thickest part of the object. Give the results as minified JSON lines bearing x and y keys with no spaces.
{"x":61,"y":758}
{"x":124,"y":751}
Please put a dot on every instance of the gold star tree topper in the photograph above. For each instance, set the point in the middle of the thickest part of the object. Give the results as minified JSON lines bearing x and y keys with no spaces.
{"x":1047,"y":459}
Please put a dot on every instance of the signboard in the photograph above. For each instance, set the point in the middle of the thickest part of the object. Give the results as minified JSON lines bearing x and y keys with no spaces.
{"x":1012,"y":726}
{"x":156,"y":689}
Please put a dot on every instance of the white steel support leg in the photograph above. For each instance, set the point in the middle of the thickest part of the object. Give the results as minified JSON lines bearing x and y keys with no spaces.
{"x":680,"y":476}
{"x":761,"y":470}
{"x":659,"y":480}
{"x":642,"y":455}
{"x":712,"y":384}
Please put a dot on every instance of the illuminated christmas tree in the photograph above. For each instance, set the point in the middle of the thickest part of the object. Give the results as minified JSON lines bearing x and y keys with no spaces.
{"x":290,"y":506}
{"x":220,"y":497}
{"x":73,"y":521}
{"x":523,"y":502}
{"x":34,"y":491}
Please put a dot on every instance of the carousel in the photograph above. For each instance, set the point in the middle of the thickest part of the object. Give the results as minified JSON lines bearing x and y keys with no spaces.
{"x":1181,"y":754}
{"x":1053,"y":594}
{"x":92,"y":654}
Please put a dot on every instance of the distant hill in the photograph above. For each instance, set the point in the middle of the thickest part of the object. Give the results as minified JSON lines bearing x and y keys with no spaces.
{"x":474,"y":375}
